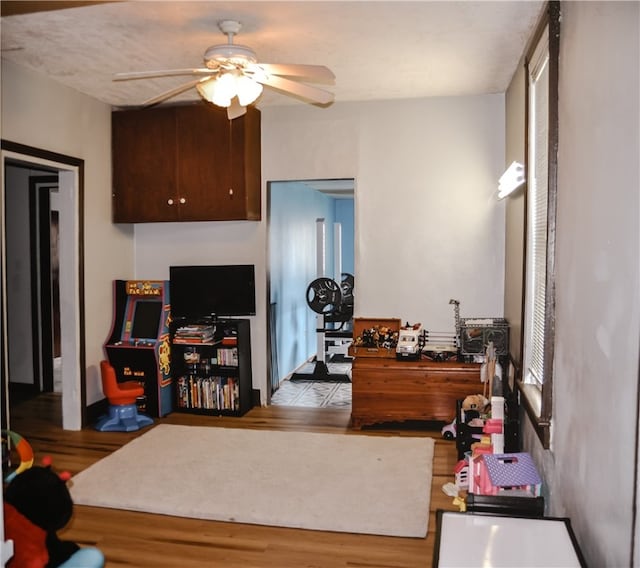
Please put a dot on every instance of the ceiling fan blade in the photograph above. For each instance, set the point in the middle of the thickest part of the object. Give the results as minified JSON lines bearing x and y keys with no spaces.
{"x":235,"y":109}
{"x":311,"y":73}
{"x":162,"y":73}
{"x":171,"y":93}
{"x":312,"y":94}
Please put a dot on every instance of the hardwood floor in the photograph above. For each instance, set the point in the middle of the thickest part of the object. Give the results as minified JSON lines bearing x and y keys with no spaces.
{"x":144,"y":540}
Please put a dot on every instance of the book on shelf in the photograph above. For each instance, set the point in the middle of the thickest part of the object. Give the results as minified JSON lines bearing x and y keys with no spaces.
{"x":208,"y":393}
{"x":228,"y":357}
{"x":197,"y":333}
{"x":195,"y":340}
{"x":196,"y":328}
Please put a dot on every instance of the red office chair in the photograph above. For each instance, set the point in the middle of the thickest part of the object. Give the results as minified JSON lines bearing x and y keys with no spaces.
{"x":123,"y":414}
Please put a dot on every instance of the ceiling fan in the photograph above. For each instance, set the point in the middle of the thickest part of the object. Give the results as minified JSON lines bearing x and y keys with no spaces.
{"x":232,"y":77}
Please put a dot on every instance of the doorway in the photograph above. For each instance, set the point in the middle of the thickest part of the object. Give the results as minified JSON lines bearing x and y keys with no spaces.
{"x":294,"y":207}
{"x":42,"y":283}
{"x":44,"y":232}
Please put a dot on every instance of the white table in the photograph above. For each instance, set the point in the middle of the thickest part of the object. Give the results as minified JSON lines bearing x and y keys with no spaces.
{"x":487,"y":541}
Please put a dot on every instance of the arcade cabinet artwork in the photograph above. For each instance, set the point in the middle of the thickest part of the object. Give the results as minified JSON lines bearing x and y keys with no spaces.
{"x":139,"y":346}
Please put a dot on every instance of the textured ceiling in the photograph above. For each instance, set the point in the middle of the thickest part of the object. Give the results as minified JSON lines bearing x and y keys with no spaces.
{"x":377,"y":50}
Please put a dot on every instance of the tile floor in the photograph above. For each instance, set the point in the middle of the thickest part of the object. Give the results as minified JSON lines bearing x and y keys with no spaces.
{"x":314,"y":393}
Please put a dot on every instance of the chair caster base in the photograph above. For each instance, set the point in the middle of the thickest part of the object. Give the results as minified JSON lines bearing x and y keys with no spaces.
{"x":123,"y":418}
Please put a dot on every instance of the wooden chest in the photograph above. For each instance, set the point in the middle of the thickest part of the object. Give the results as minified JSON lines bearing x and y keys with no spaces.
{"x":387,"y":390}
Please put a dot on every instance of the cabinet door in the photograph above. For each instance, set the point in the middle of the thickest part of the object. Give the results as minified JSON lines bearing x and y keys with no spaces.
{"x":144,"y":166}
{"x":204,"y":164}
{"x":246,"y":175}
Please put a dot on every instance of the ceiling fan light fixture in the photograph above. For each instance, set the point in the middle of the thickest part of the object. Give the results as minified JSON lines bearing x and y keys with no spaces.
{"x":223,"y":88}
{"x":248,"y":90}
{"x":206,"y":89}
{"x":218,"y":91}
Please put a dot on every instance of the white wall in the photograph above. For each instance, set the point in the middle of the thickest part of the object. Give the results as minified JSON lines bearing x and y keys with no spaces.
{"x":43,"y":114}
{"x":514,"y":210}
{"x":590,"y":470}
{"x":598,"y":255}
{"x":428,"y":225}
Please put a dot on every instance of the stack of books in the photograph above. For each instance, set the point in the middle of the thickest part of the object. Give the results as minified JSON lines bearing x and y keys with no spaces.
{"x":196,"y":333}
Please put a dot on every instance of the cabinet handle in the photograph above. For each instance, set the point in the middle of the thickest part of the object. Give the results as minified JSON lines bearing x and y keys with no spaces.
{"x":230,"y":191}
{"x":170,"y":201}
{"x":182,"y":200}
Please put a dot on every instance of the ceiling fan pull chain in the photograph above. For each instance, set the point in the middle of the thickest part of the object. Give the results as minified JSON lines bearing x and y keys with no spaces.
{"x":230,"y":158}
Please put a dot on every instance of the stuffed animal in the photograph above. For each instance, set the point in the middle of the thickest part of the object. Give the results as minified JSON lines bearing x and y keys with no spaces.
{"x":476,"y":402}
{"x":37,"y":504}
{"x":29,"y":541}
{"x":42,"y":498}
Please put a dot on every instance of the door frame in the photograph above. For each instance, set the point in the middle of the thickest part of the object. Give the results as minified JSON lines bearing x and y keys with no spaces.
{"x":40,"y":188}
{"x":331,"y":187}
{"x":71,"y":206}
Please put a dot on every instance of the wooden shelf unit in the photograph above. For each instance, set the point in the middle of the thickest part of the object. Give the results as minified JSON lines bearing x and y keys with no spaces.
{"x":388,"y":390}
{"x":218,"y":381}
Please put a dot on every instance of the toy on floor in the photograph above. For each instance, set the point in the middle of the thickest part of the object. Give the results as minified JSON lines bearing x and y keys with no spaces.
{"x":473,"y":407}
{"x":449,"y":431}
{"x":13,"y":441}
{"x":477,"y":402}
{"x":459,"y":501}
{"x":37,"y":504}
{"x":504,"y":474}
{"x":461,"y":472}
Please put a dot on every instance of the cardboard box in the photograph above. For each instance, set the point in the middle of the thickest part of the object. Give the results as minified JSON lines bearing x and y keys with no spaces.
{"x":361,"y":348}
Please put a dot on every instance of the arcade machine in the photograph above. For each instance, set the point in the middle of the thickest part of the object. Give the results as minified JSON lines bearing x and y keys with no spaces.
{"x":139,"y":347}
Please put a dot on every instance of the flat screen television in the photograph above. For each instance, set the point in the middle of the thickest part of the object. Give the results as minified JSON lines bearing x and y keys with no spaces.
{"x":146,"y":319}
{"x":204,"y":291}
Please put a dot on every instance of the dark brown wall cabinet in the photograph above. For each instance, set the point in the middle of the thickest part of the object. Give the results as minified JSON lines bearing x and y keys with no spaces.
{"x":185,"y":163}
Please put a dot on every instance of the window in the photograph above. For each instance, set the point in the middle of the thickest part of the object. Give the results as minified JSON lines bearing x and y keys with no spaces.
{"x":539,"y":300}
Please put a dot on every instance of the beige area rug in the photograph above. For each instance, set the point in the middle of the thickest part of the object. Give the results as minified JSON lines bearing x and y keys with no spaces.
{"x":346,"y":483}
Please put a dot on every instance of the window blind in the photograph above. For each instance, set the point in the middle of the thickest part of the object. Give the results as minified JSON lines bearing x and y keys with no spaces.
{"x":535,"y":305}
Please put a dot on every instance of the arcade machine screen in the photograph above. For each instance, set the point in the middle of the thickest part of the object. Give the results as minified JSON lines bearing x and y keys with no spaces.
{"x":146,"y":320}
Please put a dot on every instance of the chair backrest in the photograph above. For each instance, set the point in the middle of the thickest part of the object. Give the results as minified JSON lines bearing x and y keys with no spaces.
{"x":109,"y":381}
{"x":118,"y":393}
